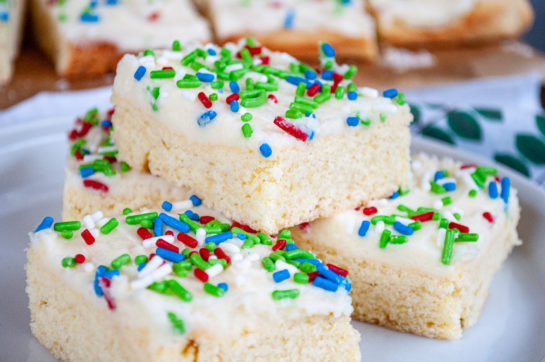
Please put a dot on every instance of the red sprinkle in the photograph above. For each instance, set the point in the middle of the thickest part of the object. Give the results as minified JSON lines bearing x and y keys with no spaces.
{"x":313,"y":90}
{"x":168,"y":68}
{"x":272,"y":98}
{"x":488,"y":216}
{"x":206,"y":219}
{"x":80,"y":258}
{"x":280,"y":244}
{"x":254,"y":50}
{"x":111,"y":112}
{"x":165,"y":245}
{"x":423,"y":217}
{"x":370,"y":210}
{"x":337,"y":78}
{"x":169,"y":232}
{"x":232,"y":97}
{"x":78,"y":155}
{"x":468,"y":165}
{"x":151,"y":256}
{"x":337,"y":270}
{"x":110,"y":159}
{"x":201,"y":275}
{"x":205,"y":254}
{"x":265,"y":60}
{"x":144,"y":233}
{"x":153,"y":16}
{"x":87,"y":237}
{"x":221,"y":254}
{"x":95,"y":185}
{"x":305,"y":227}
{"x":187,"y":240}
{"x":288,"y":127}
{"x":85,"y":128}
{"x":204,"y":100}
{"x":312,"y":276}
{"x":104,"y":284}
{"x":243,"y":227}
{"x":73,"y":135}
{"x":191,"y":253}
{"x":455,"y":225}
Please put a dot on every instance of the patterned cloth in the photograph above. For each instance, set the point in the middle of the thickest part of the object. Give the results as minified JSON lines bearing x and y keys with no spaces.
{"x":498,"y":118}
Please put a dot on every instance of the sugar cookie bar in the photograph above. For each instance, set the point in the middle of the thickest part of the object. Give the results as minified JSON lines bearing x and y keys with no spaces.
{"x":296,"y":26}
{"x":264,"y":139}
{"x":87,"y":38}
{"x":183,"y":285}
{"x":417,"y":22}
{"x":423,"y":262}
{"x":11,"y":22}
{"x":96,"y":180}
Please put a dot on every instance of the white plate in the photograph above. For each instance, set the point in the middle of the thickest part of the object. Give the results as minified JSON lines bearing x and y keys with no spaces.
{"x":511,"y":327}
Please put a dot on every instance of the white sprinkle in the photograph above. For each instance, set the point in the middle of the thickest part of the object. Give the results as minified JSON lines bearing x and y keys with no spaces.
{"x":88,"y":267}
{"x":441,"y":237}
{"x":88,"y":222}
{"x":91,"y":158}
{"x":162,"y":271}
{"x":369,"y":92}
{"x":235,"y":241}
{"x":97,"y":216}
{"x":150,"y":266}
{"x":214,"y":270}
{"x":252,"y":256}
{"x":232,"y":67}
{"x":385,"y":107}
{"x":100,"y":223}
{"x":446,"y":180}
{"x":382,"y":202}
{"x":213,"y":257}
{"x":404,"y":220}
{"x":416,"y":164}
{"x":349,"y":225}
{"x":437,"y":204}
{"x":95,"y":232}
{"x":236,"y":257}
{"x":230,"y":248}
{"x":449,"y":216}
{"x":283,"y":265}
{"x":162,"y":60}
{"x":151,"y":241}
{"x":379,"y":228}
{"x":426,"y":181}
{"x":200,"y":236}
{"x":182,"y":205}
{"x":189,"y":96}
{"x":107,"y":149}
{"x":469,"y":181}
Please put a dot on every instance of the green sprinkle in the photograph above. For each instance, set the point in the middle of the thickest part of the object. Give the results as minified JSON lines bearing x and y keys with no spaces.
{"x":382,"y":117}
{"x":162,"y":74}
{"x":446,"y":200}
{"x":293,"y":114}
{"x":306,"y":102}
{"x":265,"y":239}
{"x":225,"y":53}
{"x":307,"y":267}
{"x":299,"y":254}
{"x":121,"y":260}
{"x":176,"y":46}
{"x":388,"y":220}
{"x":245,"y":55}
{"x":479,"y":178}
{"x":467,"y":237}
{"x":148,"y":52}
{"x":339,"y":92}
{"x":276,"y":256}
{"x":246,"y":117}
{"x":443,"y":224}
{"x":398,"y":239}
{"x":125,"y":167}
{"x":403,"y":192}
{"x":248,"y":244}
{"x":177,"y":323}
{"x":126,"y":211}
{"x":210,"y":246}
{"x":436,"y":216}
{"x":255,"y":239}
{"x":192,"y":224}
{"x":301,"y":108}
{"x":216,"y":84}
{"x":351,"y":87}
{"x":472,"y":193}
{"x":186,"y":252}
{"x":490,"y":171}
{"x":68,"y":262}
{"x":179,"y":291}
{"x":247,"y":130}
{"x":223,"y":262}
{"x":148,"y":224}
{"x":159,"y":287}
{"x":109,"y":226}
{"x":213,"y":290}
{"x":67,"y":234}
{"x":213,"y":97}
{"x":405,"y":208}
{"x":140,"y":259}
{"x":384,"y":238}
{"x":251,"y":42}
{"x":268,"y":264}
{"x":136,"y":219}
{"x":366,"y":122}
{"x":284,"y":234}
{"x":283,"y":294}
{"x":179,"y":271}
{"x":400,"y":99}
{"x":328,"y":65}
{"x":301,"y":88}
{"x":417,"y":225}
{"x":182,"y":83}
{"x":323,"y":97}
{"x":349,"y":74}
{"x":457,"y":216}
{"x":446,"y":257}
{"x":67,"y":225}
{"x":198,"y":261}
{"x":256,"y":101}
{"x":301,"y":278}
{"x":436,"y":188}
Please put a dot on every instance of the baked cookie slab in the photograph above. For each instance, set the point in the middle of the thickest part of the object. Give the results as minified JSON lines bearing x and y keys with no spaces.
{"x":296,"y":26}
{"x":183,"y":285}
{"x":423,"y":262}
{"x":11,"y":22}
{"x":87,"y":38}
{"x":96,"y":180}
{"x":421,"y":22}
{"x":263,"y":138}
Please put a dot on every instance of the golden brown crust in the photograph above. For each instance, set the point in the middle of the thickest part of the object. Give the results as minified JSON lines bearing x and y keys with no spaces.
{"x":90,"y":59}
{"x":491,"y":20}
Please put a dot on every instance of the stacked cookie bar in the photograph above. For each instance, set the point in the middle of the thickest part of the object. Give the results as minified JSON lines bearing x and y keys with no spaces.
{"x":11,"y":23}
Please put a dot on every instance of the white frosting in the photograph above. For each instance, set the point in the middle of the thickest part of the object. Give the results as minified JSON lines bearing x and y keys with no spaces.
{"x":131,"y":25}
{"x":421,"y":13}
{"x":424,"y":248}
{"x":180,"y":110}
{"x":266,"y":16}
{"x":247,"y":304}
{"x":11,"y":14}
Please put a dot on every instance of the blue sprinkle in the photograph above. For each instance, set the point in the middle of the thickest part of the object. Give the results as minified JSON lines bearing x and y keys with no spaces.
{"x":449,"y":186}
{"x":265,"y":150}
{"x":169,"y":255}
{"x":219,"y":238}
{"x":206,"y":118}
{"x":505,"y":185}
{"x":141,"y":266}
{"x":364,"y":227}
{"x":106,"y":123}
{"x":174,"y":223}
{"x":4,"y":17}
{"x":234,"y":105}
{"x":290,"y":19}
{"x":93,"y":3}
{"x":211,"y":51}
{"x":352,"y":95}
{"x":328,"y":50}
{"x":112,"y":2}
{"x":85,"y":151}
{"x":327,"y":75}
{"x":328,"y":274}
{"x":167,"y":206}
{"x":157,"y":226}
{"x":310,"y":74}
{"x":111,"y":273}
{"x":281,"y":275}
{"x":234,"y":86}
{"x":45,"y":224}
{"x":205,"y":77}
{"x":347,"y":285}
{"x":403,"y":229}
{"x":190,"y":214}
{"x":223,"y":286}
{"x":493,"y":190}
{"x":438,"y":176}
{"x":86,"y":172}
{"x":139,"y":72}
{"x":241,"y":236}
{"x":296,"y":80}
{"x":195,"y":200}
{"x":352,"y":121}
{"x":97,"y":288}
{"x":311,"y":134}
{"x":290,"y":247}
{"x":395,"y":195}
{"x":311,"y":261}
{"x":325,"y":284}
{"x":390,"y":93}
{"x":89,"y":18}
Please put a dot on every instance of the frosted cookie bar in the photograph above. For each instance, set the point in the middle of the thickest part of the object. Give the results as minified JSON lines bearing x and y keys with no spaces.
{"x":183,"y":285}
{"x":416,"y":22}
{"x":423,"y":261}
{"x":296,"y":26}
{"x":96,"y":180}
{"x":11,"y":22}
{"x":86,"y":38}
{"x":263,"y":138}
